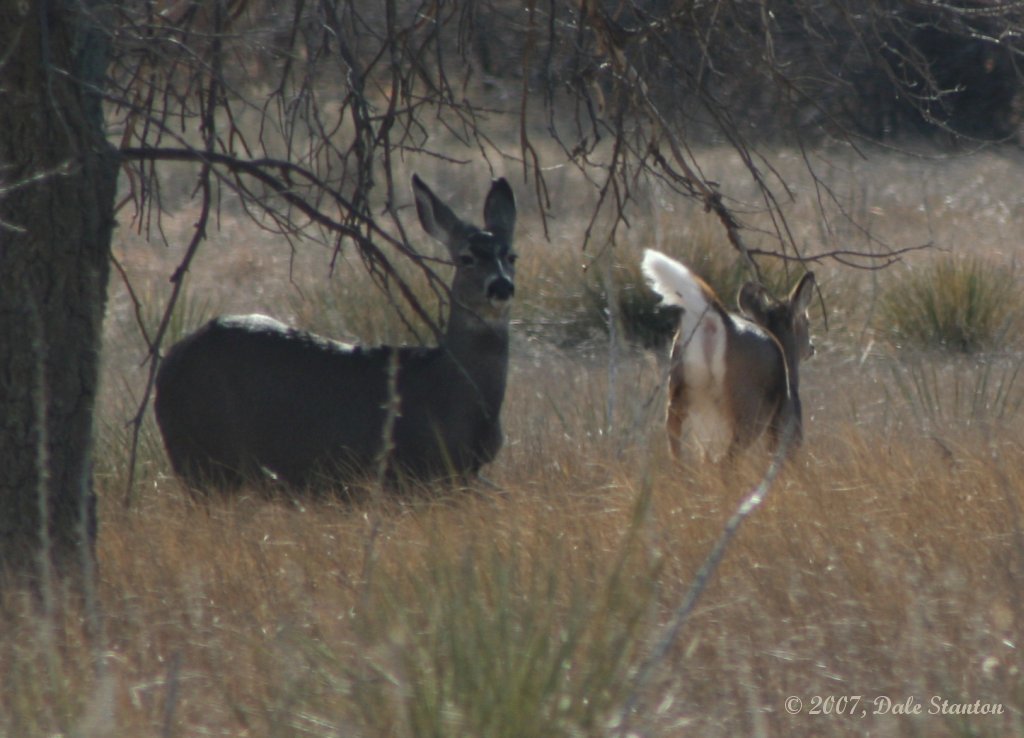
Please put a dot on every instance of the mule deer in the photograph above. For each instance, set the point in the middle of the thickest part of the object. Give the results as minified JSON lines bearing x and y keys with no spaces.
{"x":246,"y":395}
{"x":732,"y":377}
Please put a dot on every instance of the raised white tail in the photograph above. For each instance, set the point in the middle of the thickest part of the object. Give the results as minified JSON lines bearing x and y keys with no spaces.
{"x":732,"y":377}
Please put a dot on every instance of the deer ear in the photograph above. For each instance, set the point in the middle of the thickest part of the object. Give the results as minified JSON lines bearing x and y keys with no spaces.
{"x":754,"y":302}
{"x":800,"y":297}
{"x":500,"y":210}
{"x":437,"y":219}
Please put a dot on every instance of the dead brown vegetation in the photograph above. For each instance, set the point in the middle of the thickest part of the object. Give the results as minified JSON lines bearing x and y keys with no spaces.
{"x":885,"y":562}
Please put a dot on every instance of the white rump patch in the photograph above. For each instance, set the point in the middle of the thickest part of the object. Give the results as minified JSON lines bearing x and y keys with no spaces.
{"x":703,"y":360}
{"x":700,"y":349}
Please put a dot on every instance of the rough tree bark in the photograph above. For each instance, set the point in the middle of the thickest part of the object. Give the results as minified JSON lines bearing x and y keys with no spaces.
{"x":57,"y":187}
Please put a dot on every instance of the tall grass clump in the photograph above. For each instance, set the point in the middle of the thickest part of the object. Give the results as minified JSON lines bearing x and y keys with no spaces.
{"x":959,"y":393}
{"x":191,"y":310}
{"x":961,"y":304}
{"x":490,"y":642}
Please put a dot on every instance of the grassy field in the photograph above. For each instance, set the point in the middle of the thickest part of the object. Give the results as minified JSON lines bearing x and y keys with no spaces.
{"x":877,"y":591}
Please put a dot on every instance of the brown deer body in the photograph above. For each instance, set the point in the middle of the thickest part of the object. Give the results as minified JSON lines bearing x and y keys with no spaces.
{"x":246,"y":395}
{"x":732,"y":377}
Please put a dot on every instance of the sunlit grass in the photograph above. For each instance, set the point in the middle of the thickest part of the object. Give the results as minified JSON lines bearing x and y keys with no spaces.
{"x":884,"y":563}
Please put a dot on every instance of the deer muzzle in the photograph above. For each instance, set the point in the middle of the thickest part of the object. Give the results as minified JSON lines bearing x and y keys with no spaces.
{"x":500,"y":289}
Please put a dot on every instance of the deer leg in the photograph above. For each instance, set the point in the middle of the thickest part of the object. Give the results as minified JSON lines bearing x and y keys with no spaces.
{"x":787,"y":420}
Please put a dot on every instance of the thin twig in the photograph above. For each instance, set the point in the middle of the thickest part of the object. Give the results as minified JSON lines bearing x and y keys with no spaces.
{"x":670,"y":635}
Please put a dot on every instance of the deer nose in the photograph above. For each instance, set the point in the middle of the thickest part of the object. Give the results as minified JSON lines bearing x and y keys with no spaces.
{"x":501,"y":288}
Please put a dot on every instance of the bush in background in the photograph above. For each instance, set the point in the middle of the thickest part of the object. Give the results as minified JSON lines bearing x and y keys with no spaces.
{"x":957,"y":304}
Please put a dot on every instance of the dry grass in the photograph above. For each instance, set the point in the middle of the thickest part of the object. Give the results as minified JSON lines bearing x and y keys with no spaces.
{"x":886,"y":562}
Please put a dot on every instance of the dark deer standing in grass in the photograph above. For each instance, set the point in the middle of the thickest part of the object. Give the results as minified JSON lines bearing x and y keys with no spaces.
{"x":732,"y":377}
{"x":246,"y":395}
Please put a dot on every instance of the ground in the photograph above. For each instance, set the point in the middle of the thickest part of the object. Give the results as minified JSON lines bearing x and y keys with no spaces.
{"x":879,"y":580}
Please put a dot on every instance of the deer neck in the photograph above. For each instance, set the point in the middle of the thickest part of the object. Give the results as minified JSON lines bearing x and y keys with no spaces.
{"x":479,"y":348}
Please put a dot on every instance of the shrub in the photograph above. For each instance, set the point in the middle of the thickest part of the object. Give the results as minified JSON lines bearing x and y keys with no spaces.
{"x":484,"y":642}
{"x":643,"y":321}
{"x":957,"y":304}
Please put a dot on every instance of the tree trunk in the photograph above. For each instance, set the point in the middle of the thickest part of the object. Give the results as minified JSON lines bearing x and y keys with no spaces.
{"x":57,"y":187}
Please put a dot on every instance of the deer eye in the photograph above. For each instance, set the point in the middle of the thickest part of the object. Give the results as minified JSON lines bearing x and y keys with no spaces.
{"x":466,"y":260}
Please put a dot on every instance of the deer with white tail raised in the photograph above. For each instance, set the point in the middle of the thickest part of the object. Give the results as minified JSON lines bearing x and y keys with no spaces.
{"x":246,"y":397}
{"x":732,"y":377}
